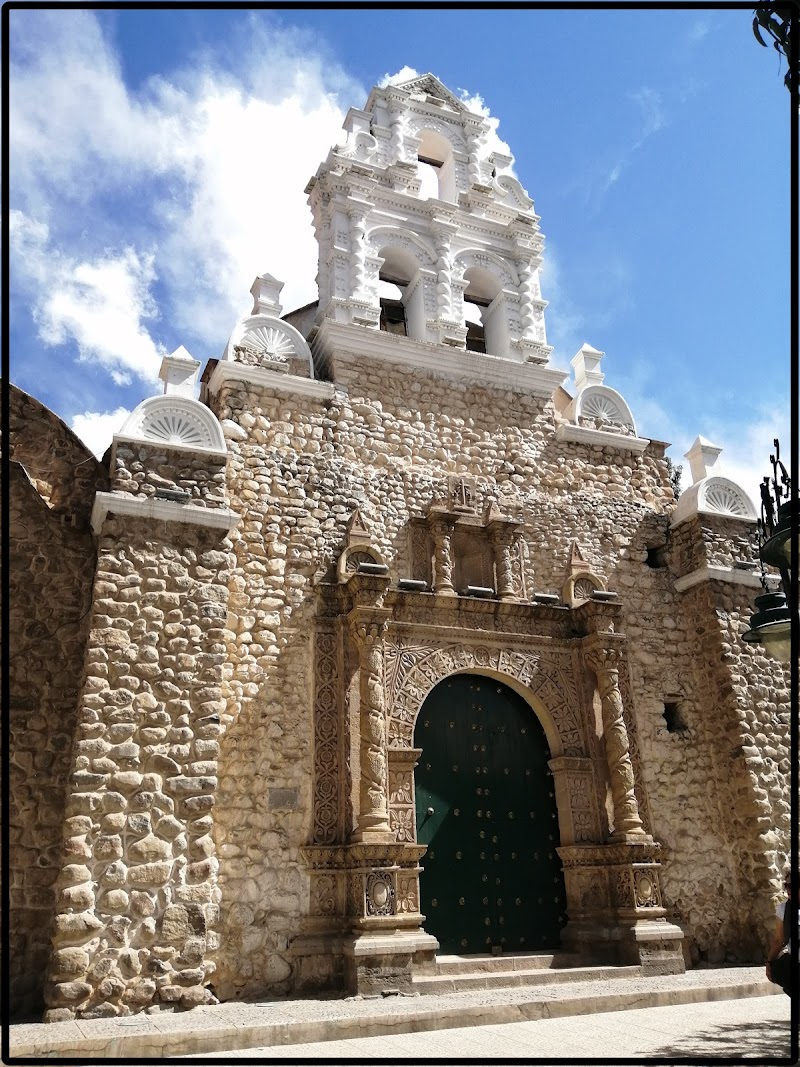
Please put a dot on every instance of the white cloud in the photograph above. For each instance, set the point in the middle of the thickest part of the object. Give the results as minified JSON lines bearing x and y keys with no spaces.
{"x":565,"y":323}
{"x":699,"y":30}
{"x":747,"y":446}
{"x":96,"y":428}
{"x":405,"y":74}
{"x":195,"y":183}
{"x":101,"y":304}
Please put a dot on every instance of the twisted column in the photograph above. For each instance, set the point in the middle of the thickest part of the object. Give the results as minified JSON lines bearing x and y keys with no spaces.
{"x":502,"y":541}
{"x":373,"y":818}
{"x":357,"y":268}
{"x":526,"y":309}
{"x":442,"y":557}
{"x":604,"y":662}
{"x":396,"y":142}
{"x":474,"y":145}
{"x":442,"y":275}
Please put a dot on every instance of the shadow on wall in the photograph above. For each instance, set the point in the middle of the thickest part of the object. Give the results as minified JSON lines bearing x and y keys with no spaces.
{"x":53,"y":479}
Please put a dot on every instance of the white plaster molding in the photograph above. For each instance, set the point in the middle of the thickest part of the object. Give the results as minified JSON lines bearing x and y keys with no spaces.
{"x":275,"y":340}
{"x":172,"y":421}
{"x":267,"y":379}
{"x":164,"y":510}
{"x":720,"y":574}
{"x":567,"y":431}
{"x":714,"y":496}
{"x":599,"y":401}
{"x":341,"y":341}
{"x":129,"y":439}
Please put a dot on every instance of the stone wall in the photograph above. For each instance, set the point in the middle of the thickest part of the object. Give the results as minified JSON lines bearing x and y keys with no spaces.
{"x":305,"y":465}
{"x":52,"y":557}
{"x":142,"y":468}
{"x":192,"y":774}
{"x":138,"y":903}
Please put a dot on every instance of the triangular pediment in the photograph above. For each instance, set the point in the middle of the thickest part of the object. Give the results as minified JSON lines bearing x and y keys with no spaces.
{"x":431,"y":86}
{"x":576,"y":563}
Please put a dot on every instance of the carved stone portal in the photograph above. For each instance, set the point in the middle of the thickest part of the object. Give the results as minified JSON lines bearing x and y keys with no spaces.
{"x":376,"y":662}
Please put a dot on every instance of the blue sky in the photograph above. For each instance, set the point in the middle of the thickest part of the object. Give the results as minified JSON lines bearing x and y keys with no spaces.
{"x":159,"y":159}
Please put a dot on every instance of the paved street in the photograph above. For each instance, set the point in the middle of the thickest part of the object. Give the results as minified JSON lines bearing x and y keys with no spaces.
{"x":755,"y":1028}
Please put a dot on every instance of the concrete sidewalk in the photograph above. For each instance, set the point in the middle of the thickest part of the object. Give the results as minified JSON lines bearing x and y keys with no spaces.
{"x":756,"y":1028}
{"x":241,"y":1026}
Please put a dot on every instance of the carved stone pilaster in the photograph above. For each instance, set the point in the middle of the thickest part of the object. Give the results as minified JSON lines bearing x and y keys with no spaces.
{"x":442,"y":530}
{"x":604,"y":660}
{"x":502,"y":533}
{"x":373,"y":818}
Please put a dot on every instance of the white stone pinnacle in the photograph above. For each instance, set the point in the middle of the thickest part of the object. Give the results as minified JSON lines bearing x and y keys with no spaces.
{"x":703,"y":458}
{"x":266,"y":292}
{"x":586,"y":362}
{"x":178,"y":372}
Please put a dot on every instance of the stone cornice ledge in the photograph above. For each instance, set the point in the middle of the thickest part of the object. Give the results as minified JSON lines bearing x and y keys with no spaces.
{"x":339,"y":340}
{"x":582,"y":435}
{"x":164,"y":510}
{"x":718,"y":574}
{"x":227,"y":371}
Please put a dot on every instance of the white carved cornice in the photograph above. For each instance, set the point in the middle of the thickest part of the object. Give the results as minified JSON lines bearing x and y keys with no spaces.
{"x":267,"y":379}
{"x":153,"y":508}
{"x":709,"y":573}
{"x":582,"y":435}
{"x":340,"y":340}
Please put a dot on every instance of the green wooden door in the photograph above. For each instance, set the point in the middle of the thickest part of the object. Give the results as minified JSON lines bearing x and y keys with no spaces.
{"x":486,"y":810}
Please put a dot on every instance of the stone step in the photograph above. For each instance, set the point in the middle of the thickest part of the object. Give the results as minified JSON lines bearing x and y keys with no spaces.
{"x":219,"y":1029}
{"x":539,"y":976}
{"x":510,"y":961}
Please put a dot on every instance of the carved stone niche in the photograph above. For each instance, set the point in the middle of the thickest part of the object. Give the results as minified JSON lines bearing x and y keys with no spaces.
{"x":615,"y":909}
{"x":457,"y":553}
{"x":580,"y":583}
{"x":360,"y":556}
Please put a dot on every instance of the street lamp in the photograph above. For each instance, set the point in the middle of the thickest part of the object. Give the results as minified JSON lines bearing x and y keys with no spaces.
{"x":771,"y":624}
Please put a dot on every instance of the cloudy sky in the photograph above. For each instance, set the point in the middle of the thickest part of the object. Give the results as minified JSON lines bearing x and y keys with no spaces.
{"x":158,"y":161}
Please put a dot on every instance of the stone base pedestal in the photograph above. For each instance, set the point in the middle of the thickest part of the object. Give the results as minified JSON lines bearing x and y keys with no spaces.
{"x":656,"y":946}
{"x":380,"y":963}
{"x":615,"y":909}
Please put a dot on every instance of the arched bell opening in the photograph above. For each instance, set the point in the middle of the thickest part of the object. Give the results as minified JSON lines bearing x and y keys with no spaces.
{"x":436,"y":167}
{"x":486,"y":807}
{"x":402,"y":305}
{"x":486,"y":332}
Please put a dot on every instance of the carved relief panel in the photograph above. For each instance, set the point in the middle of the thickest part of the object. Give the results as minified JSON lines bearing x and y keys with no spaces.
{"x":328,"y":753}
{"x":576,"y":790}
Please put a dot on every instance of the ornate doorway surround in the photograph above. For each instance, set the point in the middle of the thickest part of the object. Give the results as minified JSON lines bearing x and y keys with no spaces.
{"x":379,"y":652}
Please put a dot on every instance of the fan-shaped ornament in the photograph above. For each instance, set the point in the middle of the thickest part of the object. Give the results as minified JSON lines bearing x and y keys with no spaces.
{"x":176,"y":428}
{"x":271,"y":343}
{"x":725,"y":500}
{"x":602,"y":408}
{"x":583,"y":589}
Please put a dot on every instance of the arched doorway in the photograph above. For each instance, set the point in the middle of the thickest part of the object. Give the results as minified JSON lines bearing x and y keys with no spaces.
{"x":485,"y":802}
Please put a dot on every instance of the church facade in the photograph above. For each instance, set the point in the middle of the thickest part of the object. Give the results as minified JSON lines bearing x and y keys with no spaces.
{"x":392,"y":644}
